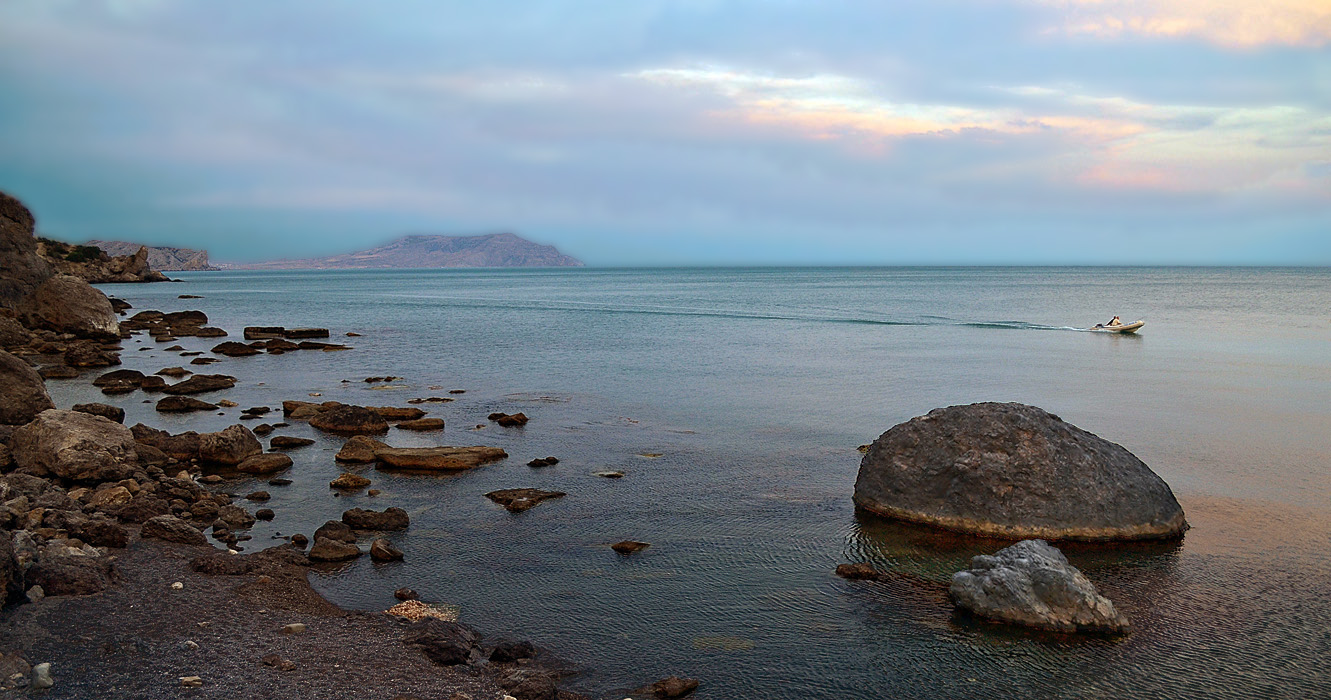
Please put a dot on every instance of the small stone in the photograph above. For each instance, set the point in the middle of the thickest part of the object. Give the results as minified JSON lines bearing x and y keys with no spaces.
{"x":189,"y":644}
{"x":349,"y":481}
{"x":41,"y":676}
{"x":265,"y":514}
{"x":609,"y":475}
{"x":177,"y":586}
{"x":294,"y":628}
{"x":36,"y":594}
{"x":226,"y":403}
{"x":857,"y":572}
{"x":280,"y":481}
{"x":258,"y":496}
{"x":299,"y":540}
{"x":373,"y":492}
{"x":629,"y":546}
{"x":191,"y":682}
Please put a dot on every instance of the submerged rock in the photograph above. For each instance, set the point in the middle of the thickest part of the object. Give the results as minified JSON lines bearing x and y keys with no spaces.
{"x":438,"y":458}
{"x":519,"y":500}
{"x":1006,"y":469}
{"x":390,"y":519}
{"x":349,"y":420}
{"x":1032,"y":584}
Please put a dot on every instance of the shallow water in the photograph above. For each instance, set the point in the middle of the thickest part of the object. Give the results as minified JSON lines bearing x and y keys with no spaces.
{"x":755,"y":386}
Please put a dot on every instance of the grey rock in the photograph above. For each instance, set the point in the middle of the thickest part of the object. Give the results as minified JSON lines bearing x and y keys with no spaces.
{"x":1011,"y":470}
{"x":327,"y":549}
{"x":173,"y":529}
{"x":67,"y":304}
{"x":1032,"y":584}
{"x":229,"y":447}
{"x":41,"y":676}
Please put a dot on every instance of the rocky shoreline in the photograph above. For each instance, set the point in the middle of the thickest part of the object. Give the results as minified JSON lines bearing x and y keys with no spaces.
{"x":111,"y":587}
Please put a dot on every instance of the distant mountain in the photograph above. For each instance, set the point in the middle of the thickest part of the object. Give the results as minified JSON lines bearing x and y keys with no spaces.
{"x":160,"y":257}
{"x":493,"y":250}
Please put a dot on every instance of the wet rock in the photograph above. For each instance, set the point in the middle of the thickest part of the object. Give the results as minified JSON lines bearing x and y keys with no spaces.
{"x":112,"y":413}
{"x":264,"y":463}
{"x":349,"y":420}
{"x":298,"y":540}
{"x":529,"y":684}
{"x":90,"y":354}
{"x":543,"y":462}
{"x":229,"y":447}
{"x":1032,"y":584}
{"x":176,"y":372}
{"x":265,"y":514}
{"x":349,"y":481}
{"x":298,"y":333}
{"x":858,"y":572}
{"x":445,"y":643}
{"x":172,"y":529}
{"x":422,"y":424}
{"x":262,"y":429}
{"x":438,"y":458}
{"x":185,"y":318}
{"x":118,"y":389}
{"x":509,"y":420}
{"x":183,"y":404}
{"x":258,"y":496}
{"x":235,"y":517}
{"x":359,"y":450}
{"x":201,"y":383}
{"x":330,"y":550}
{"x":335,"y":530}
{"x":263,"y":332}
{"x":629,"y":546}
{"x":67,"y":304}
{"x":1012,"y":470}
{"x":406,"y":594}
{"x":119,"y":376}
{"x":283,"y":442}
{"x":22,"y":392}
{"x":509,"y":651}
{"x":233,"y":349}
{"x":183,"y":447}
{"x":153,"y":384}
{"x":383,"y":550}
{"x":398,"y":414}
{"x":74,"y":445}
{"x":609,"y":475}
{"x":389,"y":519}
{"x":674,"y":687}
{"x":279,"y":482}
{"x":519,"y":500}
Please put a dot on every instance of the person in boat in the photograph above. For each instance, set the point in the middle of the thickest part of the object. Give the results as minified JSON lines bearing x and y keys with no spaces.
{"x":1114,"y":322}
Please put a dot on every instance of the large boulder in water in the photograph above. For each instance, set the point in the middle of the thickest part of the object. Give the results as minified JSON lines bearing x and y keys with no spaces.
{"x":1011,"y":470}
{"x":74,"y":445}
{"x":67,"y":304}
{"x":22,"y":391}
{"x":1032,"y":584}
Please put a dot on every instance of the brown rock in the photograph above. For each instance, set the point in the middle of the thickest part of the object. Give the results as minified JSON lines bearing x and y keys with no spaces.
{"x":22,"y":392}
{"x":629,"y":546}
{"x":264,"y":463}
{"x":229,"y":447}
{"x":674,"y":687}
{"x":856,"y":572}
{"x":183,"y":404}
{"x":233,"y":349}
{"x":67,"y":304}
{"x":395,"y":413}
{"x":74,"y":445}
{"x":438,"y":458}
{"x":349,"y":481}
{"x":284,"y":442}
{"x":390,"y":519}
{"x":519,"y":500}
{"x":330,"y":550}
{"x":172,"y":529}
{"x":509,"y":420}
{"x":174,"y":372}
{"x":383,"y":550}
{"x":119,"y":376}
{"x":360,"y":450}
{"x":184,"y":446}
{"x":422,"y":424}
{"x":201,"y":383}
{"x":350,"y":420}
{"x":88,"y":353}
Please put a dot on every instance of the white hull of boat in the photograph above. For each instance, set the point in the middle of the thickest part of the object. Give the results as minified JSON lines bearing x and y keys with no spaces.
{"x":1125,"y":328}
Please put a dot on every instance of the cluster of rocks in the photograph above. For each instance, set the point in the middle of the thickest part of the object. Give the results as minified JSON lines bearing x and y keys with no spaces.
{"x":167,"y":327}
{"x":362,"y":449}
{"x":94,"y":265}
{"x":1016,"y":471}
{"x":273,"y":346}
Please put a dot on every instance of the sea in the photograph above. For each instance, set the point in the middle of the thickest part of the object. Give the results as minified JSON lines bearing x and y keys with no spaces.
{"x":734,"y":400}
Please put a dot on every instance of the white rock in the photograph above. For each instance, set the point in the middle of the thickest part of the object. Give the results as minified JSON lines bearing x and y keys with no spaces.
{"x":294,"y":628}
{"x":177,"y":586}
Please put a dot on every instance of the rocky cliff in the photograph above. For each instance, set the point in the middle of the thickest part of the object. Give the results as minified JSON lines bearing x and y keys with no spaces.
{"x":493,"y":250}
{"x":95,"y":266}
{"x":22,"y":269}
{"x":163,"y":258}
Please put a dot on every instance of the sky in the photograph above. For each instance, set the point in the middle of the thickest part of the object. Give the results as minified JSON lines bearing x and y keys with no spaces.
{"x":654,"y":132}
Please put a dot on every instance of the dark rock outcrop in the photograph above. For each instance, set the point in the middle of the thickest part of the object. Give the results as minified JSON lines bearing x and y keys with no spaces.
{"x":1011,"y":470}
{"x":390,"y":519}
{"x":674,"y":687}
{"x":1032,"y":584}
{"x":74,"y":445}
{"x":70,"y":575}
{"x":183,"y":404}
{"x":422,"y":424}
{"x":95,"y":265}
{"x":22,"y":392}
{"x":349,"y":420}
{"x":229,"y":447}
{"x":173,"y":529}
{"x":383,"y":550}
{"x":264,"y":463}
{"x":111,"y":413}
{"x":200,"y":383}
{"x":67,"y":304}
{"x":437,"y":458}
{"x":519,"y":500}
{"x":21,"y":268}
{"x":330,"y":550}
{"x":445,"y":643}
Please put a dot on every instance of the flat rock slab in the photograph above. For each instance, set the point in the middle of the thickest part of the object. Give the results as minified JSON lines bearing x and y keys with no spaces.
{"x":1032,"y":584}
{"x":438,"y":458}
{"x":518,"y":500}
{"x":1016,"y":471}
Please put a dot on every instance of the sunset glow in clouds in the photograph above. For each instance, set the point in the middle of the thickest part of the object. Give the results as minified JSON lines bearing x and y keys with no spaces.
{"x":1193,"y":131}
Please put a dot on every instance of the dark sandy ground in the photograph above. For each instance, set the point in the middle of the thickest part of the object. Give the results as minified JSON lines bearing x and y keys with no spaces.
{"x":131,"y":641}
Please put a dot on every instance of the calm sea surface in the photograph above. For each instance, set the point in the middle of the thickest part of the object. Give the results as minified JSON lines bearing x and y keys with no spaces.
{"x":755,"y":386}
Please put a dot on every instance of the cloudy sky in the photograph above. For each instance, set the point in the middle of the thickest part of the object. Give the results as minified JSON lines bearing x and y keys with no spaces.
{"x":688,"y":131}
